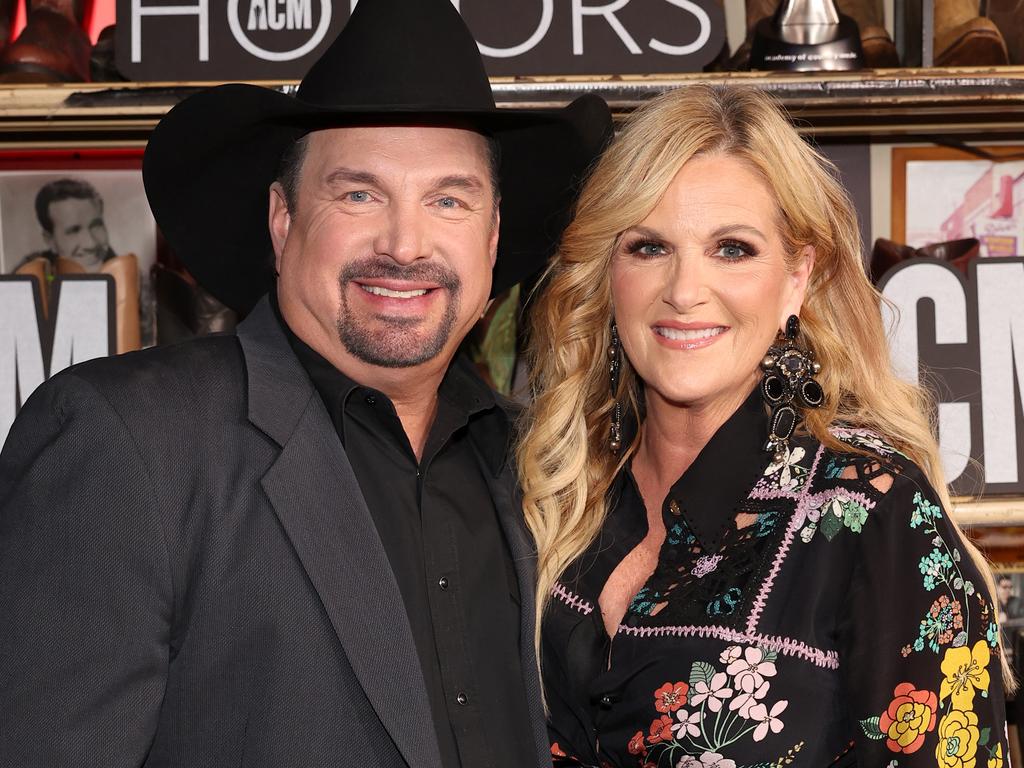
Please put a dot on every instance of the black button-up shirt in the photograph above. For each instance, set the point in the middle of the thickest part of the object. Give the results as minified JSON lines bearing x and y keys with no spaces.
{"x":443,"y":538}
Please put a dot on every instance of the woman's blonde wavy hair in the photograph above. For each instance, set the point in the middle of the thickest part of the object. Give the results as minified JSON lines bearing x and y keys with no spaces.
{"x":565,"y":463}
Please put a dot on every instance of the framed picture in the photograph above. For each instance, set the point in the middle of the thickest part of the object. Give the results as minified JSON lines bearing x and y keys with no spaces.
{"x":82,"y":212}
{"x":941,"y":194}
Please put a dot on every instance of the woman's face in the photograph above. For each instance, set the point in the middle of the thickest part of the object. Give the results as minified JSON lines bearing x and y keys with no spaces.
{"x":701,"y":287}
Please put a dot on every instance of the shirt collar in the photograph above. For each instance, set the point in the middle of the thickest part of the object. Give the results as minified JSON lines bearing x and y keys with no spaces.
{"x":711,"y":491}
{"x":463,"y":392}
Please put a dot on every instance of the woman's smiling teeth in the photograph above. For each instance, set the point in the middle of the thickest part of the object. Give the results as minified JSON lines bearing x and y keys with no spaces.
{"x":678,"y":334}
{"x":377,"y":290}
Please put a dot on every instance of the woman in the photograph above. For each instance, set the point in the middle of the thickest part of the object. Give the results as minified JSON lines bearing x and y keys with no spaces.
{"x":716,"y":591}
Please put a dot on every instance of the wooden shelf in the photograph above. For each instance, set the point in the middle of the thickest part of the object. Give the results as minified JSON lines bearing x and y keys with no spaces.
{"x":880,"y":103}
{"x":991,"y":511}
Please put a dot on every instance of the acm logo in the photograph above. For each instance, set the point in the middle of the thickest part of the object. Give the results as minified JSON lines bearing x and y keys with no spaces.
{"x":264,"y":17}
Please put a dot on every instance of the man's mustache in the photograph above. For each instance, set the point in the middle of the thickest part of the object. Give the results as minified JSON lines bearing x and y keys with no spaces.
{"x":387,"y":269}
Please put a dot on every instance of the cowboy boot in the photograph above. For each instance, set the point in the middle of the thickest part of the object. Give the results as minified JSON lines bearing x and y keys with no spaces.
{"x":125,"y":271}
{"x":53,"y":47}
{"x":886,"y":254}
{"x":185,"y":309}
{"x":102,"y":60}
{"x":879,"y":49}
{"x":965,"y":39}
{"x":1007,"y":15}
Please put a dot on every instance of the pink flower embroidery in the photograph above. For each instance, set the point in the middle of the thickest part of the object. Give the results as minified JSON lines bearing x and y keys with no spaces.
{"x":750,"y":671}
{"x":747,"y":699}
{"x":767,"y":720}
{"x":715,"y":691}
{"x":688,"y":725}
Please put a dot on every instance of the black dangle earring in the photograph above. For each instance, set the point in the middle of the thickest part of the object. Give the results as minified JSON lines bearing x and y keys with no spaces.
{"x":788,"y":381}
{"x":614,"y":364}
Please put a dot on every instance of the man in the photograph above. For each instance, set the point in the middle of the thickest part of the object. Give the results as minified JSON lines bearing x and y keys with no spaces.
{"x":301,"y":545}
{"x":1010,"y":614}
{"x":70,"y":212}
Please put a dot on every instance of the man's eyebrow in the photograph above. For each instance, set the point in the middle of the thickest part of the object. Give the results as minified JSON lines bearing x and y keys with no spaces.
{"x":465,"y":182}
{"x":352,"y":176}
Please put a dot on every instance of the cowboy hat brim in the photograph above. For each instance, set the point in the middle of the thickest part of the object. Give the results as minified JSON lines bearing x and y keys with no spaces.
{"x":211,"y":160}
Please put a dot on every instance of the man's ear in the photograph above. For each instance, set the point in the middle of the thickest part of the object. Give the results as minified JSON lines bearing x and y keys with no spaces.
{"x":280,"y":221}
{"x":493,"y":242}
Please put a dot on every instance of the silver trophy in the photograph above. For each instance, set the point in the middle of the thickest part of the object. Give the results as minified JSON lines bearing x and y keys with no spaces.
{"x":807,"y":35}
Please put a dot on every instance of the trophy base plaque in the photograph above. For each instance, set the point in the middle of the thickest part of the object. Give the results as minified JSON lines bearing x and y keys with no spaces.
{"x":836,"y":47}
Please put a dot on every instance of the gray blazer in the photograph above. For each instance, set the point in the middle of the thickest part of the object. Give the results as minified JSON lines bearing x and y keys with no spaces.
{"x":189,"y":575}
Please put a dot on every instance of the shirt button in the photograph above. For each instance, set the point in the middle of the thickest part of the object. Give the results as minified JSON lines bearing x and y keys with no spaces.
{"x":371,"y":400}
{"x":442,"y":583}
{"x":463,"y":699}
{"x":606,"y":701}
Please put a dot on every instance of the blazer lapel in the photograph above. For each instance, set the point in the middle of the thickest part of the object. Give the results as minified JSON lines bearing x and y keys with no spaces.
{"x":508,"y":502}
{"x":318,"y":501}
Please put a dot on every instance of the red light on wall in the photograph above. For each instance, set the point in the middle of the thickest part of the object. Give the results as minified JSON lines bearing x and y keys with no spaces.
{"x":98,"y":14}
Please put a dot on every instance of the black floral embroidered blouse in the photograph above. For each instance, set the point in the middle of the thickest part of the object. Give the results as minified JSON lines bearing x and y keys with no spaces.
{"x":814,"y":611}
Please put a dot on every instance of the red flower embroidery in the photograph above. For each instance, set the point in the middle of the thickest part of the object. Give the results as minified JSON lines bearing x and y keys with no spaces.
{"x":636,"y":744}
{"x":556,"y":751}
{"x":661,"y":730}
{"x":670,"y":697}
{"x":909,"y":716}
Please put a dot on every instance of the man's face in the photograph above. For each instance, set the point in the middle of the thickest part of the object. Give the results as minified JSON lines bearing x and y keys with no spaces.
{"x":1005,"y":590}
{"x":79,"y":232}
{"x":386,"y":260}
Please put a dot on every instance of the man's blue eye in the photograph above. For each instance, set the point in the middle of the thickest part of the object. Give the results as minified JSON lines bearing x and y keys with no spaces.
{"x":358,"y":197}
{"x":448,"y":202}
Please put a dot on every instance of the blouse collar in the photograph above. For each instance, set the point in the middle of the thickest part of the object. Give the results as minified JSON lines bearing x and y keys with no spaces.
{"x":711,"y":491}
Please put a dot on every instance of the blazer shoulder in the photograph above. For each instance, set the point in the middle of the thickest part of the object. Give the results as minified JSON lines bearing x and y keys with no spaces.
{"x":173,"y":377}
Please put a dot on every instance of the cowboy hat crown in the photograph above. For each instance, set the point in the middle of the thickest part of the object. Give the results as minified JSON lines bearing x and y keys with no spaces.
{"x":210,"y":162}
{"x":395,"y":54}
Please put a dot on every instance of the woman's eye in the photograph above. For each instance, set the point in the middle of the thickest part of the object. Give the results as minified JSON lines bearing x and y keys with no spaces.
{"x":646,"y":248}
{"x":734,"y":251}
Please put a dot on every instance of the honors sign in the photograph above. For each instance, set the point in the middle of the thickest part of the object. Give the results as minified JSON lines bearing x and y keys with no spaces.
{"x":218,"y":40}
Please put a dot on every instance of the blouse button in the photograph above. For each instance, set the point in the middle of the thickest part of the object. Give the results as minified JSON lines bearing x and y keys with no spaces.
{"x":443,"y":582}
{"x":463,"y":699}
{"x":673,"y":507}
{"x":606,"y":701}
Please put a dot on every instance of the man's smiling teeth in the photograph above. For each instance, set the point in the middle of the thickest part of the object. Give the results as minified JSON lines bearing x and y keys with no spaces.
{"x":377,"y":290}
{"x":677,"y":334}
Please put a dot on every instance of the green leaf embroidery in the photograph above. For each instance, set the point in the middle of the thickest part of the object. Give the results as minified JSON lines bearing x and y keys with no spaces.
{"x":701,"y":672}
{"x":986,"y":733}
{"x":830,"y":525}
{"x":871,"y":729}
{"x":854,"y":516}
{"x":769,"y":655}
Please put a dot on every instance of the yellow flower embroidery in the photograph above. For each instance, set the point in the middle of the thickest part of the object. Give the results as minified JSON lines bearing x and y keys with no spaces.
{"x":958,"y":740}
{"x":996,"y":761}
{"x":965,"y":670}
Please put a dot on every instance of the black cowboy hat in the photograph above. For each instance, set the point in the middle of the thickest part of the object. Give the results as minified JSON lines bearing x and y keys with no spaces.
{"x":211,"y":160}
